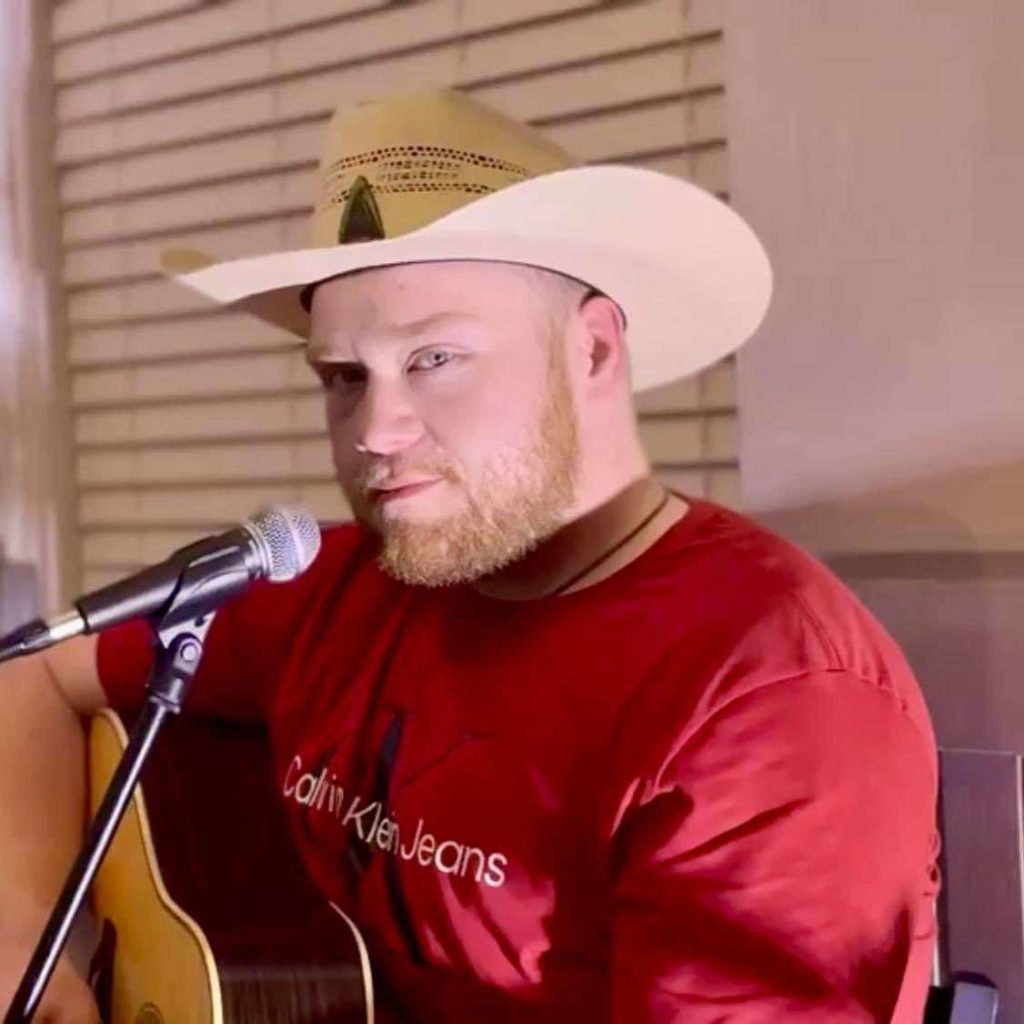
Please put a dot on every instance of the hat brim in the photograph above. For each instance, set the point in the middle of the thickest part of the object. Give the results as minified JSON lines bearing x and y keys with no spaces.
{"x":690,"y":275}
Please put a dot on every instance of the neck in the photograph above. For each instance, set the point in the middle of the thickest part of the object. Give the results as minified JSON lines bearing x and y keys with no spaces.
{"x":584,"y":539}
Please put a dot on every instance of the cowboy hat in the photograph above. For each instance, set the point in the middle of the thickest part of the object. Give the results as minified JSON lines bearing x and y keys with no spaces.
{"x":436,"y":175}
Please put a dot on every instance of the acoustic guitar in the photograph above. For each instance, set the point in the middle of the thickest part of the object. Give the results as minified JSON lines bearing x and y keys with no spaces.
{"x":206,"y":914}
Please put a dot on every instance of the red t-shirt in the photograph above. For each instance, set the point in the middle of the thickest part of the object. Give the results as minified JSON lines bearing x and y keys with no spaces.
{"x":702,"y":789}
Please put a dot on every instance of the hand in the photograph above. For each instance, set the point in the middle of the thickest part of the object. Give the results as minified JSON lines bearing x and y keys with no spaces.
{"x":67,"y":999}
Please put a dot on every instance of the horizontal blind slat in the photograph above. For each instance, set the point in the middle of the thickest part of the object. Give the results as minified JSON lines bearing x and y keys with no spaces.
{"x":353,"y":28}
{"x":141,"y":547}
{"x":718,"y":385}
{"x":206,"y":26}
{"x":248,"y":418}
{"x":212,"y":463}
{"x":617,"y":77}
{"x":218,"y":333}
{"x":73,"y":18}
{"x":211,"y":506}
{"x":221,"y":377}
{"x":121,"y":73}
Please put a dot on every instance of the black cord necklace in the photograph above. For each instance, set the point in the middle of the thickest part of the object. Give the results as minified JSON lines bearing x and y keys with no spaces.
{"x":616,"y":547}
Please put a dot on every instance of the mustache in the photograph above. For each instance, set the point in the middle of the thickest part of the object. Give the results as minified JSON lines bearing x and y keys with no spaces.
{"x":375,"y":477}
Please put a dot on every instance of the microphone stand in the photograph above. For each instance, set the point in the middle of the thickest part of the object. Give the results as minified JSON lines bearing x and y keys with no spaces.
{"x":179,"y":647}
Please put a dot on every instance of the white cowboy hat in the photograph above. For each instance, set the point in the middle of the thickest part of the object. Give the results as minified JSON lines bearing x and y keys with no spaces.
{"x":435,"y":175}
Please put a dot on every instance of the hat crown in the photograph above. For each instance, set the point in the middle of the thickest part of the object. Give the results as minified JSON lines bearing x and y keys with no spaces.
{"x":394,"y":165}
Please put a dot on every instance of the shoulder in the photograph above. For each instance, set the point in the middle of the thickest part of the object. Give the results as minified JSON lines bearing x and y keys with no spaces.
{"x":753,"y":611}
{"x":749,"y":585}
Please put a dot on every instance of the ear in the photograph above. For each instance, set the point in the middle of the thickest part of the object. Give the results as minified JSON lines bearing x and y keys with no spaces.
{"x":603,"y":337}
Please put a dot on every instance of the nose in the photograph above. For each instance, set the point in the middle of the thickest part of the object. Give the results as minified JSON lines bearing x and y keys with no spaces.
{"x":387,"y":422}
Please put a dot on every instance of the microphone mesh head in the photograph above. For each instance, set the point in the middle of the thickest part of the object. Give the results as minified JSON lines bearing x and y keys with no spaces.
{"x":288,"y":538}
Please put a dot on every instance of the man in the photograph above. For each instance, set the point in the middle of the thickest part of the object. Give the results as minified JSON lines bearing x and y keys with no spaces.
{"x":596,"y":751}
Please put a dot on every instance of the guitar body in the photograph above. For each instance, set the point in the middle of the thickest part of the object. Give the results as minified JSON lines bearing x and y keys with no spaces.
{"x":207,"y":915}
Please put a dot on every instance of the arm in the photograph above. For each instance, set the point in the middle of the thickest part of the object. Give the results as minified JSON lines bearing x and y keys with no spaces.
{"x":42,"y":755}
{"x":42,"y":801}
{"x":42,"y":748}
{"x":779,"y":865}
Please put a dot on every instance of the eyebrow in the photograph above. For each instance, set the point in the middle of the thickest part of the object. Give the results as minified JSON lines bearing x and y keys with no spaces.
{"x":403,"y":332}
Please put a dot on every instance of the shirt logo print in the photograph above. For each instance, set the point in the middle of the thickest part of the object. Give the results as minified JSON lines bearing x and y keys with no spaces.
{"x":370,"y":823}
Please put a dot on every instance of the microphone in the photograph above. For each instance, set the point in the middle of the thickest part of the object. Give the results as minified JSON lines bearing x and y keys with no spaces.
{"x":278,"y":543}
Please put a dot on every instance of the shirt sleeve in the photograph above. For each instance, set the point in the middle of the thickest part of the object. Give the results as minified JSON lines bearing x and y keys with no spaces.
{"x":245,"y":649}
{"x":242,"y":656}
{"x":779,"y":864}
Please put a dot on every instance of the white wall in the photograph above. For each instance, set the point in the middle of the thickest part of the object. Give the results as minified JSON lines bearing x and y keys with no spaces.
{"x":877,"y":146}
{"x":878,"y":149}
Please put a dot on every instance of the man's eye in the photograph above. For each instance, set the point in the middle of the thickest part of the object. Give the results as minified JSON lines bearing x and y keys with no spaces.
{"x":341,"y":378}
{"x":431,"y":360}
